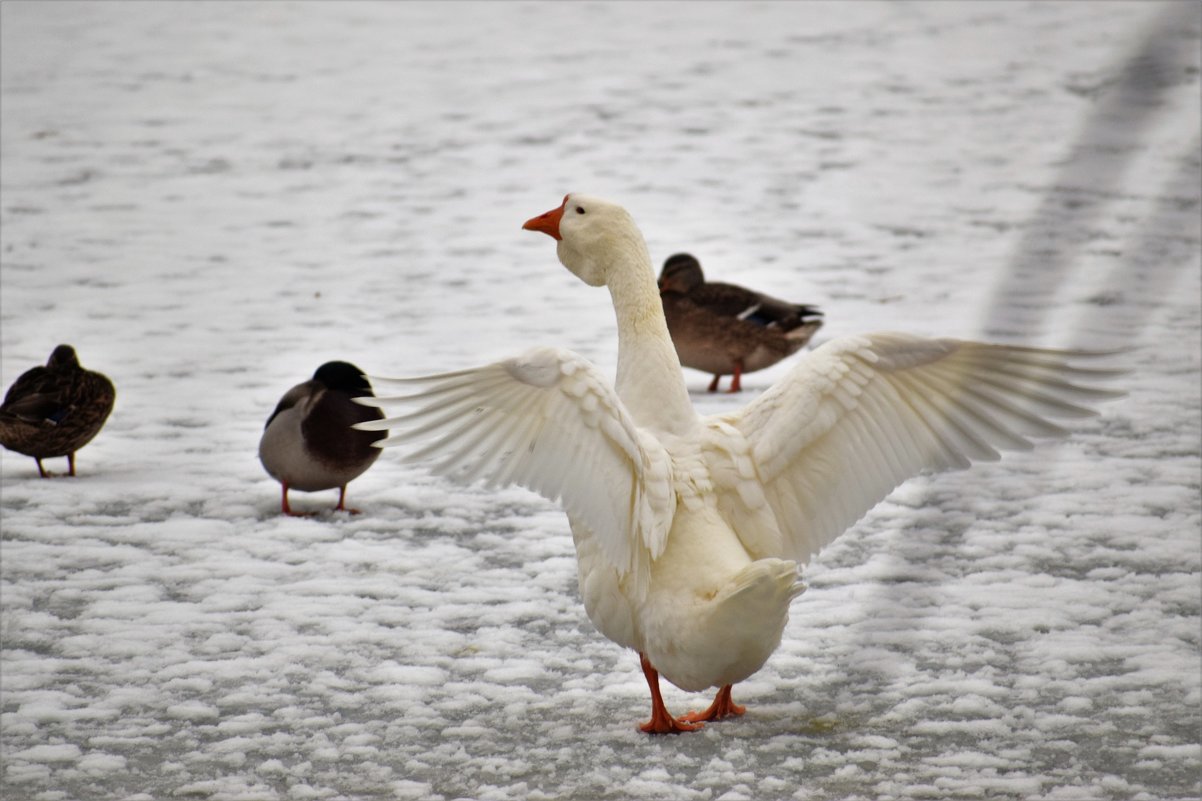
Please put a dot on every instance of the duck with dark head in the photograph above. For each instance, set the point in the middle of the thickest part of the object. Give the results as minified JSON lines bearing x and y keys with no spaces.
{"x":308,"y":443}
{"x":726,"y":329}
{"x":55,"y":410}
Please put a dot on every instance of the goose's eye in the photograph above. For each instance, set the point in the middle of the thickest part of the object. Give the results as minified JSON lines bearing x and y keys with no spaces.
{"x":580,"y":209}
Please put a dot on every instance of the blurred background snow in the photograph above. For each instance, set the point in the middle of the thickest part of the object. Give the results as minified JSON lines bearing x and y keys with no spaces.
{"x":211,"y":199}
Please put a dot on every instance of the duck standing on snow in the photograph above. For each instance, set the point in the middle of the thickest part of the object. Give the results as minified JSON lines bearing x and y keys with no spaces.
{"x":55,"y":410}
{"x":308,"y":443}
{"x":689,"y":530}
{"x":726,"y":329}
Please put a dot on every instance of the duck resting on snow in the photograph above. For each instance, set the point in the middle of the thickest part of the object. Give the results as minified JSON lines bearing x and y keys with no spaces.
{"x":689,"y":530}
{"x":726,"y":329}
{"x":308,"y":443}
{"x":55,"y":410}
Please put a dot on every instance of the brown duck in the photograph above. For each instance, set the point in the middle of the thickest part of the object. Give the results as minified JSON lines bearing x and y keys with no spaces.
{"x":726,"y":329}
{"x":55,"y":410}
{"x":308,"y":443}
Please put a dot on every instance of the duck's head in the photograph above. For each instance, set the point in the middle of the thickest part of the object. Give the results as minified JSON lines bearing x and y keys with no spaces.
{"x":681,"y":273}
{"x":62,"y":356}
{"x":344,"y":377}
{"x":594,"y":236}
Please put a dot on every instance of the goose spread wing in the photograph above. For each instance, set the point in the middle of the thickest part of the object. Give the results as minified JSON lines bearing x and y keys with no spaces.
{"x":548,"y":421}
{"x":860,"y":415}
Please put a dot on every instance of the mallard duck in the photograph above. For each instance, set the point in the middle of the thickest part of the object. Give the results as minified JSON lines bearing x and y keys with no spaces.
{"x":689,"y":530}
{"x":308,"y":443}
{"x":55,"y":410}
{"x":726,"y":329}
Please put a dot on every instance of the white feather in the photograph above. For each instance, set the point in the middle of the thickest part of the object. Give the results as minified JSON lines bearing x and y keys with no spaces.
{"x":859,"y":415}
{"x":549,"y":421}
{"x":689,"y":530}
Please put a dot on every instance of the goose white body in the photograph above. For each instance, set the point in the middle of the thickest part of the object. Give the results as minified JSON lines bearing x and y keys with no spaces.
{"x":690,"y":530}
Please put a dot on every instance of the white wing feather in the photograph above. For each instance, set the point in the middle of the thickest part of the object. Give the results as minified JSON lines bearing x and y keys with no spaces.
{"x":862,"y":414}
{"x":548,"y":421}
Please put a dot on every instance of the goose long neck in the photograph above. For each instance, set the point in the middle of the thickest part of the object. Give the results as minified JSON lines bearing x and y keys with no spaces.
{"x":649,"y":379}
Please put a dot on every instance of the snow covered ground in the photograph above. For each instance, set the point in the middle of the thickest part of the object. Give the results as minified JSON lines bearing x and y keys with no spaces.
{"x":211,"y":199}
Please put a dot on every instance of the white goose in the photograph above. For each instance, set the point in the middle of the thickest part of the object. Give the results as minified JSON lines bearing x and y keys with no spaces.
{"x":689,"y":530}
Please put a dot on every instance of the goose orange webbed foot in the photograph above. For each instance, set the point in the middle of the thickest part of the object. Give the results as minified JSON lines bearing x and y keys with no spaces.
{"x":722,"y":707}
{"x":666,"y":724}
{"x":661,"y":721}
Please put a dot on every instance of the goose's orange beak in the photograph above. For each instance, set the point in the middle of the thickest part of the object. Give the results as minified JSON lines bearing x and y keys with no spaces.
{"x":548,"y":222}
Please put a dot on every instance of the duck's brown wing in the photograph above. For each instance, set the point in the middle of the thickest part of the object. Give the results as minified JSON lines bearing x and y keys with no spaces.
{"x":728,"y":300}
{"x":39,"y":394}
{"x":55,"y":412}
{"x":93,"y":395}
{"x":754,"y":307}
{"x":86,"y":406}
{"x":716,"y":343}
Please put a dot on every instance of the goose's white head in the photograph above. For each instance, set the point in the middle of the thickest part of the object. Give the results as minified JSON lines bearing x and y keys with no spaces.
{"x":594,"y":236}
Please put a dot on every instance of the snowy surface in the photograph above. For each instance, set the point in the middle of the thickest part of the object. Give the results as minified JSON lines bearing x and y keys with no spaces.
{"x":210,"y":200}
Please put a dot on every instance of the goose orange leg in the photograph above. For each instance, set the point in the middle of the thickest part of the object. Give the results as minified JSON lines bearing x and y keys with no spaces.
{"x":713,"y":387}
{"x":722,"y":707}
{"x":661,"y":721}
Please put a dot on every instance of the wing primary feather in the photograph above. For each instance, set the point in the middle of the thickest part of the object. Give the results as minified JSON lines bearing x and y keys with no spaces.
{"x":975,"y":423}
{"x":881,"y":409}
{"x":979,"y":411}
{"x":467,"y":383}
{"x":491,"y":444}
{"x":449,"y":409}
{"x":517,"y":460}
{"x":448,"y":439}
{"x":1027,"y":422}
{"x":388,"y":442}
{"x":1057,"y":361}
{"x":855,"y":424}
{"x":1051,"y":380}
{"x":448,"y":415}
{"x":1030,"y":394}
{"x":483,"y":453}
{"x":967,"y":441}
{"x":928,"y":447}
{"x":1055,"y":364}
{"x":935,"y":422}
{"x":876,"y":477}
{"x":380,"y":380}
{"x":887,"y":468}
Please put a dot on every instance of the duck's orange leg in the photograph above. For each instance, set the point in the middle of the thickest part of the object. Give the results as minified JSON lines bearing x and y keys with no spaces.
{"x":722,"y":707}
{"x":735,"y":385}
{"x":713,"y":387}
{"x":661,"y":721}
{"x":342,"y":507}
{"x":288,"y":509}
